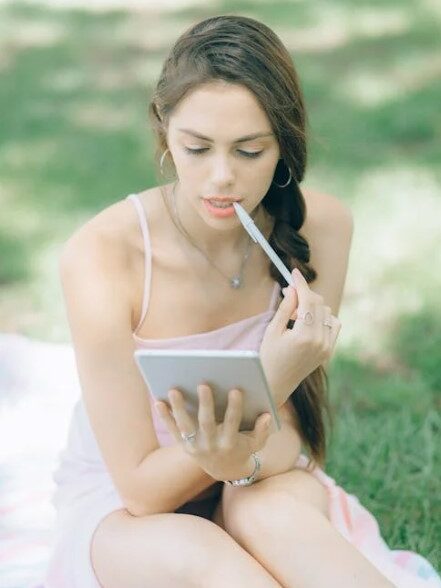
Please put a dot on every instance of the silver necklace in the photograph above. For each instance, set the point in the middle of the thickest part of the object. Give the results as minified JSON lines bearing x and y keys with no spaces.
{"x":236,"y":281}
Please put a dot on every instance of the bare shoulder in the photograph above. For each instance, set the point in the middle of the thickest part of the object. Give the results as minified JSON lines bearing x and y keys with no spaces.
{"x":326,"y":211}
{"x":112,"y":233}
{"x":328,"y":228}
{"x":108,"y":224}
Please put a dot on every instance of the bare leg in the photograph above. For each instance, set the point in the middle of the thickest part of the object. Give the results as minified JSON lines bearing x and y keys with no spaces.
{"x":173,"y":550}
{"x":298,"y":545}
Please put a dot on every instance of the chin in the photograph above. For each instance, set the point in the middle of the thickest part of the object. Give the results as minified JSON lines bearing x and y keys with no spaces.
{"x":218,"y":223}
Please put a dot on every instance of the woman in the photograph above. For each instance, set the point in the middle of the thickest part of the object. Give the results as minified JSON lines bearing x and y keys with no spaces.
{"x":169,"y":268}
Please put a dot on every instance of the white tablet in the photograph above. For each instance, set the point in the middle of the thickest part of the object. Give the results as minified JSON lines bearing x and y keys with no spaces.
{"x":222,"y":370}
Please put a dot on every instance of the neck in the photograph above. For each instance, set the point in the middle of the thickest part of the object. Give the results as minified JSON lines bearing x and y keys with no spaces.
{"x":216,"y":243}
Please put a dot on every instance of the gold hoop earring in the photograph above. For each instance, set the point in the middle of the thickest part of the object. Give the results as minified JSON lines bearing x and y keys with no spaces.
{"x":161,"y":161}
{"x":287,"y":182}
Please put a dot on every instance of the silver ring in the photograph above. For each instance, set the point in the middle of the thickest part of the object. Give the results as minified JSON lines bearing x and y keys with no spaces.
{"x":307,"y":317}
{"x":188,"y":436}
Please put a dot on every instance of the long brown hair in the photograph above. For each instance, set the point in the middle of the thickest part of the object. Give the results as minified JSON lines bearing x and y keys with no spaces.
{"x":241,"y":50}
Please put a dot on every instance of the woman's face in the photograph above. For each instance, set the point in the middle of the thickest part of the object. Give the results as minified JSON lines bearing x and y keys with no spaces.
{"x":222,"y":143}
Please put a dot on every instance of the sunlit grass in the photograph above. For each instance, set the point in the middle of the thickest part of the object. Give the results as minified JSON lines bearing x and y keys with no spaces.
{"x":395,"y":265}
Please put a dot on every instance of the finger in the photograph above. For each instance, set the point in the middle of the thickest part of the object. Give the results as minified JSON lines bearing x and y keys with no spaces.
{"x":323,"y":315}
{"x":310,"y":315}
{"x":233,"y":413}
{"x":169,"y":421}
{"x":336,"y":327}
{"x":206,"y":413}
{"x":262,"y":430}
{"x":308,"y":301}
{"x":301,"y":285}
{"x":293,"y":316}
{"x":327,"y":330}
{"x":285,"y":311}
{"x":184,"y":421}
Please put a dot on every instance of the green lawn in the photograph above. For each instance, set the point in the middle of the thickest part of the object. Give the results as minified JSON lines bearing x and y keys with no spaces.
{"x":74,"y":138}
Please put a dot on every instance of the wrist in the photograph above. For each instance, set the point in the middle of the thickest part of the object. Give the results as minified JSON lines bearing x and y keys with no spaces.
{"x":282,"y":392}
{"x":246,"y":470}
{"x":235,"y":473}
{"x":250,"y":478}
{"x":281,"y":388}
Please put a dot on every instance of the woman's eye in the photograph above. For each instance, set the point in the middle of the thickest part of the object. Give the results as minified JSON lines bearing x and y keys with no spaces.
{"x":201,"y":150}
{"x":196,"y":151}
{"x":250,"y":153}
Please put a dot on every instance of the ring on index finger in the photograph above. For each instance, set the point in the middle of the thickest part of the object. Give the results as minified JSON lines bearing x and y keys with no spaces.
{"x":307,"y":317}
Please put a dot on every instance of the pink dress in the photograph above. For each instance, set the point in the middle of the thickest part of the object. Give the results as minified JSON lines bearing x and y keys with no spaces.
{"x":85,"y":492}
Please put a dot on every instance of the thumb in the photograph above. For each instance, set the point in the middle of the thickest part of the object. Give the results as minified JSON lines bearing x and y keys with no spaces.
{"x":287,"y":309}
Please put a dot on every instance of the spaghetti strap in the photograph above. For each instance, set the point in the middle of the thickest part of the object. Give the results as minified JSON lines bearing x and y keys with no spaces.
{"x":147,"y":255}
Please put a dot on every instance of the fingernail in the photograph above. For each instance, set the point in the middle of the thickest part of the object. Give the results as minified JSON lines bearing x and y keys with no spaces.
{"x":284,"y":290}
{"x":267,"y":422}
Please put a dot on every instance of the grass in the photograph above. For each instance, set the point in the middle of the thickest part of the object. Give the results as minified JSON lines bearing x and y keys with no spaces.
{"x":74,"y":138}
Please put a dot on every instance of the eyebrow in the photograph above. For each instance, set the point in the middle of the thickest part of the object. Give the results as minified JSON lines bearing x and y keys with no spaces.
{"x":240,"y":140}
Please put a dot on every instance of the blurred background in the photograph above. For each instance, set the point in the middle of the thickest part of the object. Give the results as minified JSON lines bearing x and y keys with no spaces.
{"x":75,"y":80}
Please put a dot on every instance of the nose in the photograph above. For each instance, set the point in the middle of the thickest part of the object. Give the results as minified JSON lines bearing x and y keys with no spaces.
{"x":222,"y":172}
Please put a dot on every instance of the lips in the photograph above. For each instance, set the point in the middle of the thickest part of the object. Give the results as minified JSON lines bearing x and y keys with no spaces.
{"x":223,"y":199}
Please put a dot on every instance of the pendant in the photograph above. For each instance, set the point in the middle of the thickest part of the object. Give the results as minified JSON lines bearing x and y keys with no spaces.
{"x":235,"y":282}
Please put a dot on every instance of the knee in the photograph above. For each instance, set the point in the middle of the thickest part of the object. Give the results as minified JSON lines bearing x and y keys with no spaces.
{"x":250,"y":514}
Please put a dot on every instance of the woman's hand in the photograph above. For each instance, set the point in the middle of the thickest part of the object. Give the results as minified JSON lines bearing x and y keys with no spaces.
{"x":290,"y":355}
{"x":219,"y":448}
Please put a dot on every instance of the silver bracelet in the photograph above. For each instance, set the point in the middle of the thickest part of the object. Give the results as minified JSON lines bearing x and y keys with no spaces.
{"x":249,"y":479}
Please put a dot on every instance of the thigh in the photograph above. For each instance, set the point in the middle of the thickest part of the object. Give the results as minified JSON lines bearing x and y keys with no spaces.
{"x":166,"y":549}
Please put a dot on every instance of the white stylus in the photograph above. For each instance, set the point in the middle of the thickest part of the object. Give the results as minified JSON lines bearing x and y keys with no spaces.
{"x":257,"y":237}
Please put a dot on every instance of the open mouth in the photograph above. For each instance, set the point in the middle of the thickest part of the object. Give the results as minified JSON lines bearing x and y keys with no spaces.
{"x":218,"y":204}
{"x":223,"y":201}
{"x":220,"y":209}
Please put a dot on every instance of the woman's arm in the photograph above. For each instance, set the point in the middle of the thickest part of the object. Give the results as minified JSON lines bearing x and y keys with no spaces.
{"x":150,"y":479}
{"x":328,"y":228}
{"x":283,"y":447}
